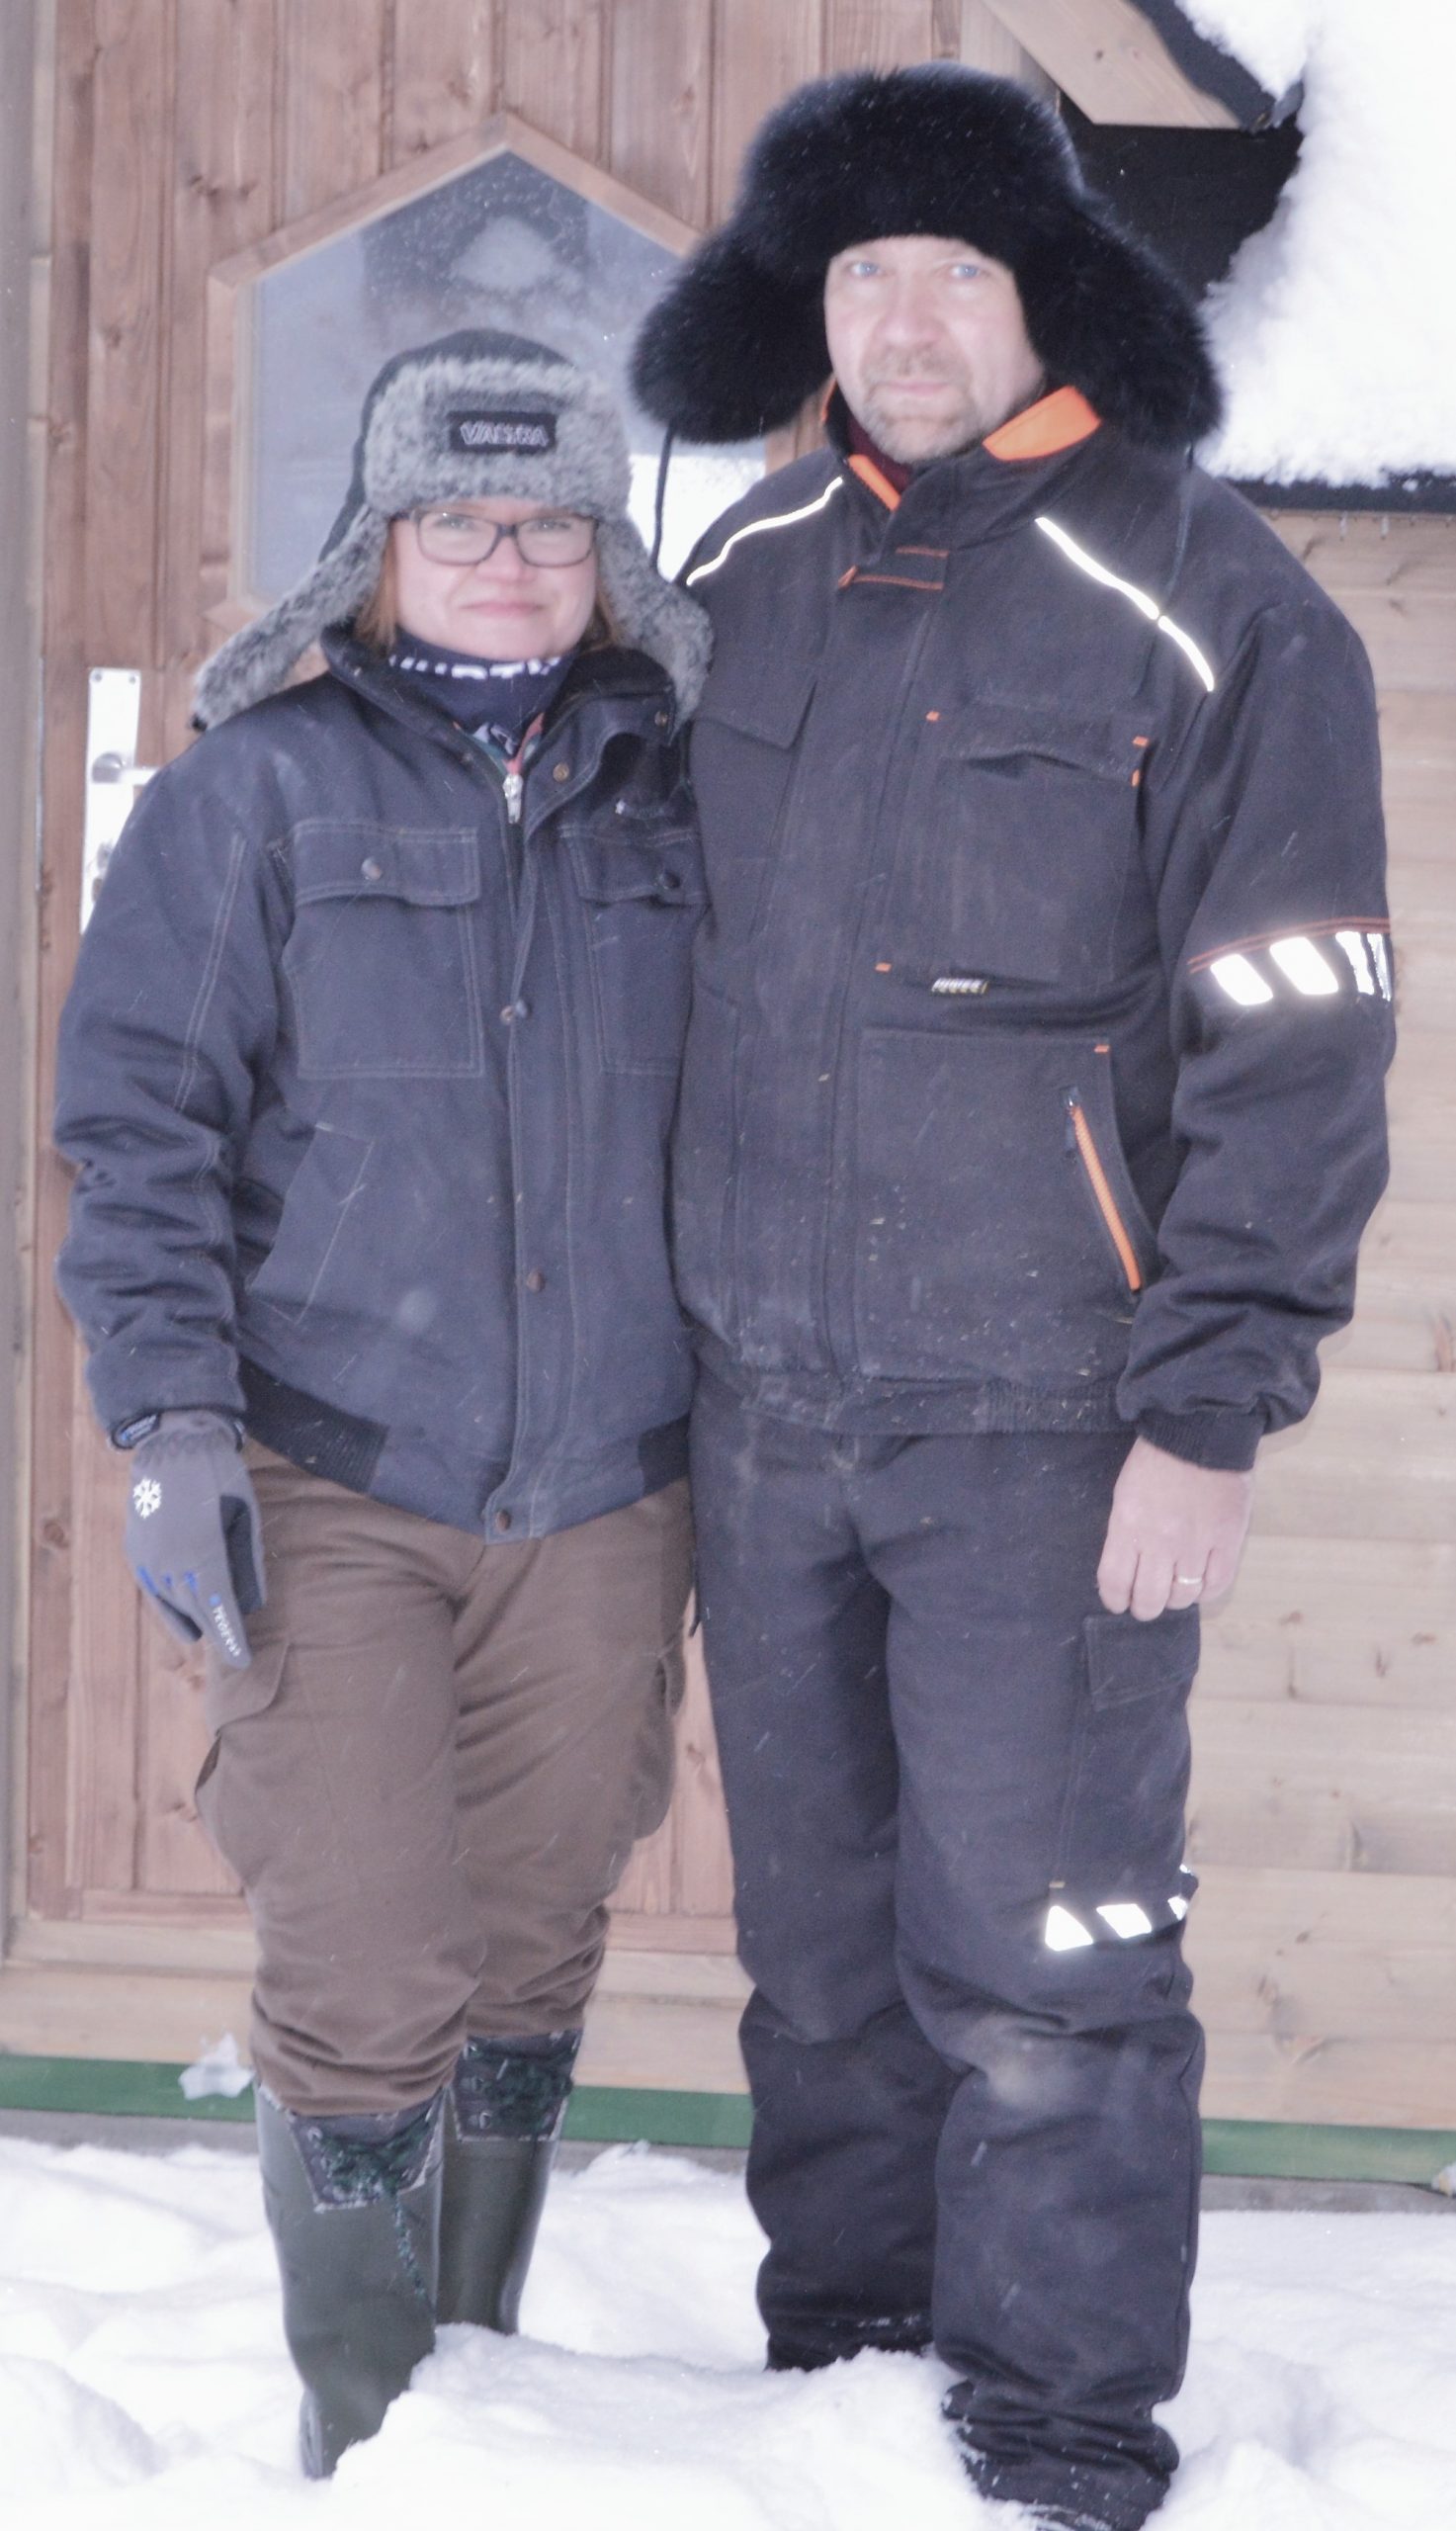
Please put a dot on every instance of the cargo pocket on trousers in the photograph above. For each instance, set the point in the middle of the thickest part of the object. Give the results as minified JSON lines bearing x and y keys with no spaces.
{"x":1120,"y":1871}
{"x":231,"y":1696}
{"x":657,"y":1750}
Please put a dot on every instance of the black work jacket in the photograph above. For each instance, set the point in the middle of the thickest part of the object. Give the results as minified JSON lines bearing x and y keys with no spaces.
{"x":369,"y":1087}
{"x":1034,"y":1079}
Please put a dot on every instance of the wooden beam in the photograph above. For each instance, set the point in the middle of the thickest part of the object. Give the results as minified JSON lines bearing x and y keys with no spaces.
{"x":1110,"y":62}
{"x":664,"y":2022}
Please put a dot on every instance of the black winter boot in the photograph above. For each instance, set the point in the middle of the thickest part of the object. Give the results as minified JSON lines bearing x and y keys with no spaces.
{"x":354,"y":2206}
{"x":502,"y":2119}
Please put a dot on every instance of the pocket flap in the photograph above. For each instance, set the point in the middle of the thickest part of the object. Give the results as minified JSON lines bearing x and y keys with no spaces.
{"x":663,"y":869}
{"x":230,"y":1696}
{"x":1130,"y":1657}
{"x":763,"y":706}
{"x":991,"y":729}
{"x":439,"y":868}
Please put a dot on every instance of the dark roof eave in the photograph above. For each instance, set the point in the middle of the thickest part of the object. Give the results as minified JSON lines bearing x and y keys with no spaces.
{"x":1217,"y":72}
{"x":1427,"y":493}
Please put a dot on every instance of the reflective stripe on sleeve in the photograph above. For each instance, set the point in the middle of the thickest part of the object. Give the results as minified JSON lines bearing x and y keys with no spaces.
{"x":1307,"y":969}
{"x":1265,"y":969}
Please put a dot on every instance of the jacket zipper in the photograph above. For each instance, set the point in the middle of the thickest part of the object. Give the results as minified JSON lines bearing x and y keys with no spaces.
{"x":1106,"y":1201}
{"x":513,"y":779}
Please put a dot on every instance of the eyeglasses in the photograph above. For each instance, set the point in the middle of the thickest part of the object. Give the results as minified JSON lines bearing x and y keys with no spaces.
{"x":552,"y":540}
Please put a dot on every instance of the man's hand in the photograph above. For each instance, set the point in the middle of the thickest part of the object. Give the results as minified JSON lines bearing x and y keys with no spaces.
{"x":1175,"y":1535}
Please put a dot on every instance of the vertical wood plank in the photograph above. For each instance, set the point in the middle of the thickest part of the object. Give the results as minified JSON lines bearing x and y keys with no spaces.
{"x":65,"y":634}
{"x":222,"y":198}
{"x":446,"y":71}
{"x":103,"y":1847}
{"x":132,"y":111}
{"x":555,"y":59}
{"x":331,"y":69}
{"x":658,"y":121}
{"x":987,"y":44}
{"x":878,"y":34}
{"x":761,"y":50}
{"x":703,"y":1878}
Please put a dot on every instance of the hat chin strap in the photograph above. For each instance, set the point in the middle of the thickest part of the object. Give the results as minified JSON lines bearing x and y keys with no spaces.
{"x":659,"y":503}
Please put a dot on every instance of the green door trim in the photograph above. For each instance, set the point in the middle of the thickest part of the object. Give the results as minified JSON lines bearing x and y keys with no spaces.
{"x":1236,"y":2148}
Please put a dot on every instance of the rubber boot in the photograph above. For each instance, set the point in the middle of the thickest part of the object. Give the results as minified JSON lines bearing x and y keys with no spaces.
{"x":502,"y":2119}
{"x":354,"y":2208}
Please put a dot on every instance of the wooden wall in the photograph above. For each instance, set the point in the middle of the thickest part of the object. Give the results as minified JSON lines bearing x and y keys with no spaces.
{"x":1324,"y":1814}
{"x":189,"y":129}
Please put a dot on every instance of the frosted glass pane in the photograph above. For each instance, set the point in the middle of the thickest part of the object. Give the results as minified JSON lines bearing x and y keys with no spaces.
{"x":502,"y":246}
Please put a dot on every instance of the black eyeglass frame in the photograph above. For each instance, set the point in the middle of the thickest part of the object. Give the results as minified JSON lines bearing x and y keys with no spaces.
{"x":492,"y":529}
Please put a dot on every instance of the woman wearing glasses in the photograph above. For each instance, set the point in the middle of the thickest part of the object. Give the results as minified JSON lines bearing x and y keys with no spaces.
{"x":368,"y":1070}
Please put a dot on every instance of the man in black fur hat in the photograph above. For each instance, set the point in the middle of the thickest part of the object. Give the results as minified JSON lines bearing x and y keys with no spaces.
{"x":1033,"y":1108}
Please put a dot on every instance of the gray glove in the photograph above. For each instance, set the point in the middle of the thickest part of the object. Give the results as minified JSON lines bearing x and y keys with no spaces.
{"x":194,"y":1539}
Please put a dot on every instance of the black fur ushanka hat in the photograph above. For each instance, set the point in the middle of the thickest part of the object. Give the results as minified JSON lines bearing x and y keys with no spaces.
{"x":737,"y":343}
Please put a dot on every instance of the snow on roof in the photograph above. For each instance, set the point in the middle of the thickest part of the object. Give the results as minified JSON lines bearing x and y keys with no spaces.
{"x":1336,"y":326}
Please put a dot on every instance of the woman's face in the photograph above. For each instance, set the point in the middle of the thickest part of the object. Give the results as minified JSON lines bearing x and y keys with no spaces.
{"x":501,"y":608}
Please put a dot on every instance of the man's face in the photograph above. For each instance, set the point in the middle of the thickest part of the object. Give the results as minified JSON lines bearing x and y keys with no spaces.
{"x":928,"y":344}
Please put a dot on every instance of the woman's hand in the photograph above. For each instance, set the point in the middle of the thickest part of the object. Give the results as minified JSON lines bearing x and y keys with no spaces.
{"x":194,"y":1539}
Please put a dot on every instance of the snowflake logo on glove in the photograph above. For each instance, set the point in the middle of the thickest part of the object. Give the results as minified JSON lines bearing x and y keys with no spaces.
{"x":146,"y":1495}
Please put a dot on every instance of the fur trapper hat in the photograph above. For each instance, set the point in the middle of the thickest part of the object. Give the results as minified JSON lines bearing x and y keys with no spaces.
{"x":737,"y":343}
{"x":473,"y":416}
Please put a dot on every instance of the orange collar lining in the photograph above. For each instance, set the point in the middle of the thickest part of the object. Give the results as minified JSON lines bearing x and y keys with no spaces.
{"x":1052,"y":423}
{"x":880,"y":485}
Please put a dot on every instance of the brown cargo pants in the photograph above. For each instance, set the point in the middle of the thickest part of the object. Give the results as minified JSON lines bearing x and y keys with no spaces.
{"x":431,"y":1777}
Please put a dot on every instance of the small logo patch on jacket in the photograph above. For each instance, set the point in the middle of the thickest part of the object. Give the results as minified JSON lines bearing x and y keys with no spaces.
{"x":484,"y":429}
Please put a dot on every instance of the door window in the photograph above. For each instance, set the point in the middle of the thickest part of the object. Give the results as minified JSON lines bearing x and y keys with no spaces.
{"x":504,"y":244}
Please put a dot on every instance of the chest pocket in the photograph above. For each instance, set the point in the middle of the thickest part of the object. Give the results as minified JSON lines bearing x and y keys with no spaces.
{"x":743,"y":759}
{"x":1021,"y":843}
{"x":381,"y":961}
{"x":642,"y":895}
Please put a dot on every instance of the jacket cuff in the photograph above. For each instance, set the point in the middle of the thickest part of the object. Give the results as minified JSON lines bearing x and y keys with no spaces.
{"x":1217,"y":1438}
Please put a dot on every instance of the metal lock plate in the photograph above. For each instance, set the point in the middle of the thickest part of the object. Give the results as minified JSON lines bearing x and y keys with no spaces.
{"x":113,"y":774}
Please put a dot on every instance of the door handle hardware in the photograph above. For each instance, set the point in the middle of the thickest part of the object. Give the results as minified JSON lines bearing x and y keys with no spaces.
{"x":112,"y":775}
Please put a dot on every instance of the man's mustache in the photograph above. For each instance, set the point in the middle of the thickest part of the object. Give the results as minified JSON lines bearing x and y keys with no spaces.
{"x":911,"y":368}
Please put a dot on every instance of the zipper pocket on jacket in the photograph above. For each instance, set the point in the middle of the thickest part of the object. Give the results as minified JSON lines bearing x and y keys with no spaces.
{"x":1106,"y":1201}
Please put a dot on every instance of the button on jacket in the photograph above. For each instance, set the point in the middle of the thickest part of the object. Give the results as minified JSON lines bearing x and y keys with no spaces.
{"x":1034,"y":1079}
{"x":370,"y":1086}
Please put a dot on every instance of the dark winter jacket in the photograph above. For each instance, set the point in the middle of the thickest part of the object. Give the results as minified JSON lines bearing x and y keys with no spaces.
{"x":369,"y":1087}
{"x":1034,"y":1078}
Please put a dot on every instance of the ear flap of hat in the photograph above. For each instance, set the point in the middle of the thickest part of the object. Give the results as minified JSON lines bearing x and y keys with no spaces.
{"x":1109,"y":319}
{"x":729,"y":351}
{"x":654,"y":616}
{"x":256,"y":661}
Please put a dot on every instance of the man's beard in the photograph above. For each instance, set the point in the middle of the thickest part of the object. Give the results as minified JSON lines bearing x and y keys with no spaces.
{"x":916,"y":442}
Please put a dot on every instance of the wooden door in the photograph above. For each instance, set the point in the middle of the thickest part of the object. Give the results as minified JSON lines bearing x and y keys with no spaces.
{"x":195,"y":146}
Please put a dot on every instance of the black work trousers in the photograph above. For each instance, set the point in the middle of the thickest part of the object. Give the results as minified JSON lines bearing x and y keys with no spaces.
{"x":956,"y":1790}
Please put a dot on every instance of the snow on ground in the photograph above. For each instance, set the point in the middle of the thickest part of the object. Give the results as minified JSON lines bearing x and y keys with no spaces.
{"x":1336,"y":326}
{"x":143,"y":2380}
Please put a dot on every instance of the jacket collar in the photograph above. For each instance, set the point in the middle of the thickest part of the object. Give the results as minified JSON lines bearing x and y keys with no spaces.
{"x":985,"y":492}
{"x":631,"y":688}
